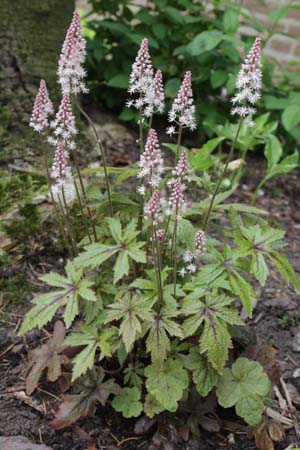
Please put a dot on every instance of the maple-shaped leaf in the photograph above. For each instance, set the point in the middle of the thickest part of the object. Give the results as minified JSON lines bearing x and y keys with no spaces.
{"x":214,"y":312}
{"x":92,"y":390}
{"x":49,"y":357}
{"x":160,"y":328}
{"x":128,"y":402}
{"x":92,"y":339}
{"x":167,"y":382}
{"x":125,"y":246}
{"x":244,"y":386}
{"x":261,"y":242}
{"x":72,"y":287}
{"x":131,"y":310}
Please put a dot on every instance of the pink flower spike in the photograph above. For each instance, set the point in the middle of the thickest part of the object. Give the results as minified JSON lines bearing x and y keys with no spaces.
{"x":60,"y":171}
{"x":73,"y":53}
{"x":176,"y":201}
{"x":249,"y":84}
{"x":183,"y":166}
{"x":42,"y":109}
{"x":142,"y":72}
{"x":152,"y":208}
{"x":155,"y":96}
{"x":64,"y":123}
{"x":151,"y":162}
{"x":200,"y":243}
{"x":183,"y":108}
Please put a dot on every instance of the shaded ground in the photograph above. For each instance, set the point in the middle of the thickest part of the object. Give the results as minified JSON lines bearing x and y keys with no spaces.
{"x":276,"y":320}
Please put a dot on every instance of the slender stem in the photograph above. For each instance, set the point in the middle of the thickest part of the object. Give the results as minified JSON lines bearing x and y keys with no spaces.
{"x":178,"y":143}
{"x":229,"y":156}
{"x":73,"y":250}
{"x":141,"y":142}
{"x":255,"y":194}
{"x":157,"y":263}
{"x":58,"y":216}
{"x":74,"y":153}
{"x":72,"y":234}
{"x":102,"y":153}
{"x":174,"y":245}
{"x":150,"y":121}
{"x":81,"y":208}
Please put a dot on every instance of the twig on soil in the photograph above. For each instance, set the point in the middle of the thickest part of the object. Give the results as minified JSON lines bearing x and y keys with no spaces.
{"x":28,"y":400}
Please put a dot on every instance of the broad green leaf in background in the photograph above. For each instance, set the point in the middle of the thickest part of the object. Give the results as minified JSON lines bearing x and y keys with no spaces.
{"x":230,"y":21}
{"x":204,"y":42}
{"x":243,"y":386}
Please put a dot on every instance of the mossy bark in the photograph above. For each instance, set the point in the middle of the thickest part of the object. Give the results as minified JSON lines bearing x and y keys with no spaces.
{"x":31,"y":36}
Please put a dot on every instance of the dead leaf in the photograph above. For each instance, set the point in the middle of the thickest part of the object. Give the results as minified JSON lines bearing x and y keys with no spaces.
{"x":49,"y":357}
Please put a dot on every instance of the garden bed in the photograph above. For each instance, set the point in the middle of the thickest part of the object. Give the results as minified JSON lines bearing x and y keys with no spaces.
{"x":274,"y":328}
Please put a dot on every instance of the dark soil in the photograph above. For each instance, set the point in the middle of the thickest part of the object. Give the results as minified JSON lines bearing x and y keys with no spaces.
{"x":276,"y":325}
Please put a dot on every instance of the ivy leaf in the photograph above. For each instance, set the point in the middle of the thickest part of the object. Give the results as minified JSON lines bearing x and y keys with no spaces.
{"x":92,"y":390}
{"x":204,"y":376}
{"x":49,"y":357}
{"x":128,"y":402}
{"x":243,"y":386}
{"x":131,"y":310}
{"x":167,"y":382}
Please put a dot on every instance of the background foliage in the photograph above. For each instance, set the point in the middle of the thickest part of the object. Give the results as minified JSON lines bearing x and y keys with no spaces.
{"x":204,"y":36}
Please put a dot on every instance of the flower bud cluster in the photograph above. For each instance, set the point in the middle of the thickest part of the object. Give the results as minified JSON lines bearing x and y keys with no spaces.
{"x":200,"y":243}
{"x":64,"y":123}
{"x":191,"y":259}
{"x":60,"y":170}
{"x":183,"y":108}
{"x":249,"y":83}
{"x":42,"y":109}
{"x":70,"y":70}
{"x":151,"y":163}
{"x":152,"y":209}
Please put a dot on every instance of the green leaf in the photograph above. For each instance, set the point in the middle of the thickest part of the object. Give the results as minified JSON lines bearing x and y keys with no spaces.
{"x":278,"y":14}
{"x":131,"y":310}
{"x":291,"y":117}
{"x":120,"y":81}
{"x":230,"y":21}
{"x":250,"y":409}
{"x":200,"y":159}
{"x":215,"y":340}
{"x":152,"y":406}
{"x":285,"y":268}
{"x":259,"y":268}
{"x":121,"y":266}
{"x":128,"y":402}
{"x":218,"y":78}
{"x":115,"y":228}
{"x":204,"y":42}
{"x":204,"y":376}
{"x":273,"y":151}
{"x":166,"y":383}
{"x":96,"y":254}
{"x":172,"y":86}
{"x":243,"y":386}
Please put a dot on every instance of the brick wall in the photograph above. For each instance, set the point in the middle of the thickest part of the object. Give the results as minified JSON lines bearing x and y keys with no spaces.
{"x":280,"y":47}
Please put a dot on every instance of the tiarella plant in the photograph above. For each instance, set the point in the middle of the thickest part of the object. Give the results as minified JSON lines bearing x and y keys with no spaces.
{"x":150,"y":301}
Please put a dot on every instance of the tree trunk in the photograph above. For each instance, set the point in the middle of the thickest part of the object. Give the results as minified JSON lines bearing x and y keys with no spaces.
{"x":31,"y":37}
